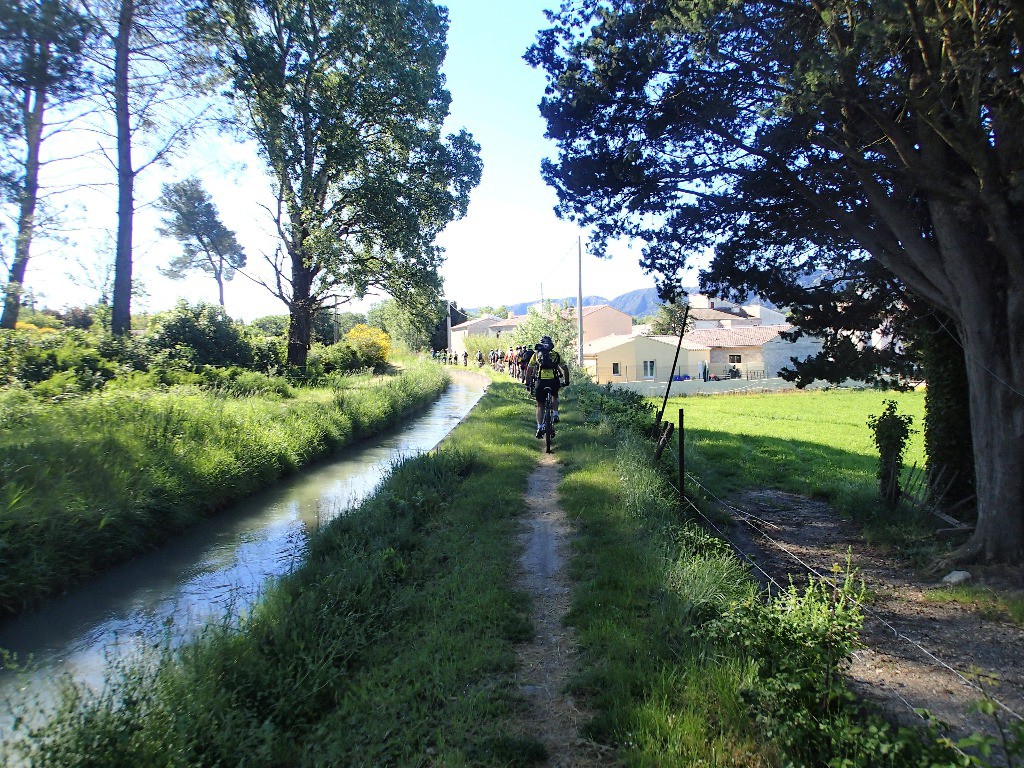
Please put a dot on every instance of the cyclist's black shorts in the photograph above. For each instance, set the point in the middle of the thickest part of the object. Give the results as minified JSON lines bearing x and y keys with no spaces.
{"x":541,"y":386}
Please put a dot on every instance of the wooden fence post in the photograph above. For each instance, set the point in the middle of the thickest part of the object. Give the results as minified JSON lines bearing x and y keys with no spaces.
{"x":682,"y":457}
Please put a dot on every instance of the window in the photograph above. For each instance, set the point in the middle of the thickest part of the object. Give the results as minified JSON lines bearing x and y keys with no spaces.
{"x":648,"y":369}
{"x":735,"y":358}
{"x":615,"y":370}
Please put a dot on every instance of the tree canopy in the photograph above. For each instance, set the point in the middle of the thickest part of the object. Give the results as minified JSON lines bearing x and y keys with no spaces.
{"x":207,"y":245}
{"x":873,"y":147}
{"x":346,"y":103}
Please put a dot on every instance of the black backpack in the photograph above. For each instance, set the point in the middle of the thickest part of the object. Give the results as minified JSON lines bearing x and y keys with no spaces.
{"x":544,"y":359}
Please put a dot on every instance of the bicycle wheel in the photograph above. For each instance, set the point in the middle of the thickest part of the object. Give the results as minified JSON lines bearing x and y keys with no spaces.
{"x":549,"y":427}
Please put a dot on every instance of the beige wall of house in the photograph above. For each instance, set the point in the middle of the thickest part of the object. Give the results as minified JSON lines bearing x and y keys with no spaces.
{"x":605,"y":321}
{"x":746,"y":359}
{"x":640,"y":358}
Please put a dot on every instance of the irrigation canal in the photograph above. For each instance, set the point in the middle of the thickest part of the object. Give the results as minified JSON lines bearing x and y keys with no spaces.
{"x":213,"y":573}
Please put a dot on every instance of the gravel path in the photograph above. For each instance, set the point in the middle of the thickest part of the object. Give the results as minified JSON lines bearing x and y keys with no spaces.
{"x":545,"y":663}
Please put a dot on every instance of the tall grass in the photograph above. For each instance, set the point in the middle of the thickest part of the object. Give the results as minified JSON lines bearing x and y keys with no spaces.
{"x":392,"y":644}
{"x":95,"y":479}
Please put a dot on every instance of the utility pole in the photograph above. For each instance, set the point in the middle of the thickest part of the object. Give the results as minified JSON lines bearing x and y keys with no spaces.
{"x":579,"y":300}
{"x":448,"y":317}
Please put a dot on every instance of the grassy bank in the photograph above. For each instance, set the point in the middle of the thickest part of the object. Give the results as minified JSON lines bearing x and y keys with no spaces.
{"x":95,"y":479}
{"x":682,"y":660}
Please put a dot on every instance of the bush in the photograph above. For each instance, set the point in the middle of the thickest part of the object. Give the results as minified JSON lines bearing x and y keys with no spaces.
{"x":200,"y":334}
{"x":68,"y":360}
{"x":891,"y":431}
{"x":242,"y":383}
{"x":371,"y":344}
{"x":337,"y":358}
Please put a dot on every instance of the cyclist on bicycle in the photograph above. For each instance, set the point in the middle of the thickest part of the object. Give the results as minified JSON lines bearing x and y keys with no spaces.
{"x":547,"y":370}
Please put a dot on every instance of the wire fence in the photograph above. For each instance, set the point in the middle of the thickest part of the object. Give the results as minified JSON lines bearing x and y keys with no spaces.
{"x":761,"y":526}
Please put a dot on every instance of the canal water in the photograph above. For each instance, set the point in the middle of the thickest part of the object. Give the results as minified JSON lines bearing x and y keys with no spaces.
{"x":213,"y":573}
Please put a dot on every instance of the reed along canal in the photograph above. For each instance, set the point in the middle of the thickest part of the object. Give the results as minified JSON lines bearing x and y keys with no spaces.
{"x":214,"y":572}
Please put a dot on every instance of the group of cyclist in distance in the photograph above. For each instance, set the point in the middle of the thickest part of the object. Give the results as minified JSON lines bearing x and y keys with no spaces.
{"x":540,"y":368}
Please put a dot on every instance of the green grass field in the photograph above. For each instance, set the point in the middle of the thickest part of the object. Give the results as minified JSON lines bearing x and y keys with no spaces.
{"x":816,"y":443}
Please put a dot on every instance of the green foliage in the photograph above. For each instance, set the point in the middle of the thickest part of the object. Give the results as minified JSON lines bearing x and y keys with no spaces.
{"x":270,"y":325}
{"x":82,"y":318}
{"x":557,"y":322}
{"x":622,"y":408}
{"x":364,"y":114}
{"x":668,"y":319}
{"x":197,"y":335}
{"x":54,"y":364}
{"x":891,"y":431}
{"x":408,"y":326}
{"x":337,"y":358}
{"x":947,"y":422}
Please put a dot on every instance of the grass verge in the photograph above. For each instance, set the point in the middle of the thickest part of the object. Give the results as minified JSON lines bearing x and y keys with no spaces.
{"x":393,"y":644}
{"x":683,"y":661}
{"x":94,"y":480}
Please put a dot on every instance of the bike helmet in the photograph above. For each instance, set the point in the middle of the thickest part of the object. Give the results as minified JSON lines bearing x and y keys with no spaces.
{"x":546,"y":341}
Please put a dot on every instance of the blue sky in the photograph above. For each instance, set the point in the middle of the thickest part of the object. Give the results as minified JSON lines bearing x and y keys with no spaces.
{"x":511,"y":242}
{"x":508,"y":249}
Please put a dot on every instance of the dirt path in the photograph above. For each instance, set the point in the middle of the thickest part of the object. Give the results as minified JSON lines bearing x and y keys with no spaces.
{"x":916,"y":650}
{"x":546,"y":662}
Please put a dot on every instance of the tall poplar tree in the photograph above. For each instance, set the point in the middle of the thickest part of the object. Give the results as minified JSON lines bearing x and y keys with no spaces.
{"x":345,"y":102}
{"x":41,"y":69}
{"x":786,"y":134}
{"x":154,"y":84}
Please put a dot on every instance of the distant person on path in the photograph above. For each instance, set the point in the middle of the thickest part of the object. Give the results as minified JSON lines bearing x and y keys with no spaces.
{"x":548,"y":371}
{"x":524,"y":362}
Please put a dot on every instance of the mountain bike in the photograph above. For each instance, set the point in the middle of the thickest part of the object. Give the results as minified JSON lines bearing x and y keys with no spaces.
{"x":549,"y":422}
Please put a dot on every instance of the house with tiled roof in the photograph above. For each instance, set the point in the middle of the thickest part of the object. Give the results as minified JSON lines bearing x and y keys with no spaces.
{"x":478,"y":326}
{"x":753,"y":351}
{"x":601,"y":320}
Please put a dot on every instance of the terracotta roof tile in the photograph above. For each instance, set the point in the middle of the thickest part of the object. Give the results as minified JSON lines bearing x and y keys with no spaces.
{"x":743,"y":336}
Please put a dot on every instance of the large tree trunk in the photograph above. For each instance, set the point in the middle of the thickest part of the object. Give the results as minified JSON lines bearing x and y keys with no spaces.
{"x":27,"y":213}
{"x":992,"y":346}
{"x":121,"y":310}
{"x":300,"y":308}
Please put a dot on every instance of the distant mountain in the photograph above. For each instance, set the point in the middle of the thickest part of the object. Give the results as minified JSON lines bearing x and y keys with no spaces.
{"x":520,"y":309}
{"x":639,"y":303}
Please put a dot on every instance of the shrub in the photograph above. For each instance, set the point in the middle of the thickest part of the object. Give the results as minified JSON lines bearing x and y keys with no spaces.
{"x":82,"y":318}
{"x":891,"y":430}
{"x":30,"y":358}
{"x":200,"y":334}
{"x":337,"y":358}
{"x":371,"y":344}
